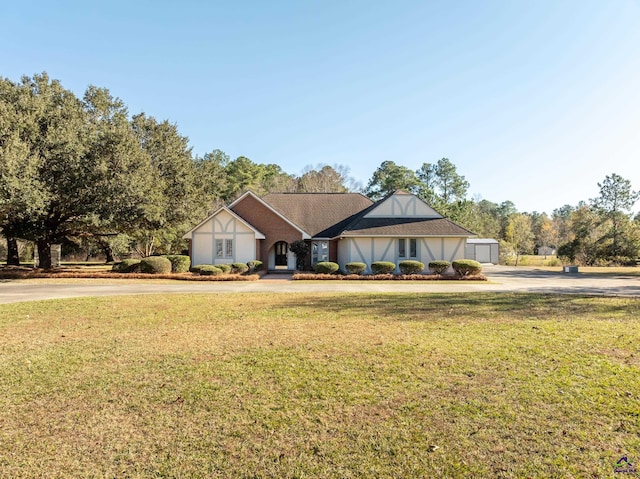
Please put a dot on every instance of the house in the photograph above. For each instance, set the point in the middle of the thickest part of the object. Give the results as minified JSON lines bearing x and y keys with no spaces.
{"x":339,"y":227}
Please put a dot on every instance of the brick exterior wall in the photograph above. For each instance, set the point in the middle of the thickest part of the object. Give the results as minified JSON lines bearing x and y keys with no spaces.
{"x":268,"y":223}
{"x":333,"y":251}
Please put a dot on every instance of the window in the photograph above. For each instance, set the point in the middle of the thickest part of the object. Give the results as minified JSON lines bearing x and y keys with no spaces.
{"x":413,"y":248}
{"x":319,"y":251}
{"x":323,"y":254}
{"x":402,"y":248}
{"x":224,"y":248}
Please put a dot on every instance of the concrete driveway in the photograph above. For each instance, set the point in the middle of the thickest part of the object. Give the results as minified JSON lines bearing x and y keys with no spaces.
{"x":501,"y":278}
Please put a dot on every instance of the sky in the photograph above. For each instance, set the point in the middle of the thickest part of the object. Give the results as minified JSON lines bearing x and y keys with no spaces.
{"x":535,"y":102}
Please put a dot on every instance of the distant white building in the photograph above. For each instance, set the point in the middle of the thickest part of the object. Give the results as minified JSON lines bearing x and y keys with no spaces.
{"x":546,"y":251}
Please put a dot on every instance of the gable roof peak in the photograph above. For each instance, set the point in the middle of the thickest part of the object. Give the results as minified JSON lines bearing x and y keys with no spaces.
{"x":189,"y":234}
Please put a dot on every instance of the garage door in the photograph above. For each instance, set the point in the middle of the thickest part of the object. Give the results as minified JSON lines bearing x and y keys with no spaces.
{"x":483,"y":253}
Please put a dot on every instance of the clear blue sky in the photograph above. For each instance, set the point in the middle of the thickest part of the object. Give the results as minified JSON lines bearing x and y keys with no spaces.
{"x":533,"y":101}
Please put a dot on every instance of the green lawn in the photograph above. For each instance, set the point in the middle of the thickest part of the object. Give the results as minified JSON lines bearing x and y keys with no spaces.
{"x":325,"y":385}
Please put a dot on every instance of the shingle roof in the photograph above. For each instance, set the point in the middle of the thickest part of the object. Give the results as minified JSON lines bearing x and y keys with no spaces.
{"x":359,"y":225}
{"x":322,"y":215}
{"x":416,"y":226}
{"x":329,"y":215}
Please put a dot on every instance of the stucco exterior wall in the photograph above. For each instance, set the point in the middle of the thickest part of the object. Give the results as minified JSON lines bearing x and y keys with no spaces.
{"x":344,"y":252}
{"x":449,"y":249}
{"x":223,"y":227}
{"x":368,"y":250}
{"x":402,"y":206}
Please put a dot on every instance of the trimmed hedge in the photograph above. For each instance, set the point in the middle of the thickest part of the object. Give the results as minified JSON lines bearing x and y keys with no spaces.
{"x":439,"y":266}
{"x":155,"y":265}
{"x":226,"y":268}
{"x":383,"y":267}
{"x":179,"y":263}
{"x":410,"y":266}
{"x":467,"y":267}
{"x":127,"y":266}
{"x":355,"y":268}
{"x":239,"y":268}
{"x":254,"y":265}
{"x":384,"y":277}
{"x":326,"y":267}
{"x":209,"y":270}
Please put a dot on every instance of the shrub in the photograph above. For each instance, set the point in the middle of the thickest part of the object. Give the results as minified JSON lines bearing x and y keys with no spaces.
{"x":553,"y":262}
{"x":254,"y":265}
{"x":467,"y":267}
{"x":239,"y":268}
{"x":622,"y":261}
{"x":355,"y":268}
{"x":209,"y":270}
{"x":179,"y":262}
{"x":439,"y":266}
{"x":326,"y":267}
{"x":127,"y":266}
{"x":383,"y":267}
{"x":301,"y":250}
{"x":155,"y":265}
{"x":225,"y":268}
{"x":410,"y":266}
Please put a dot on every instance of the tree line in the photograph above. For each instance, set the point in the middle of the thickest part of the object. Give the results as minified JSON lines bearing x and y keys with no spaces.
{"x":86,"y":173}
{"x":83,"y":170}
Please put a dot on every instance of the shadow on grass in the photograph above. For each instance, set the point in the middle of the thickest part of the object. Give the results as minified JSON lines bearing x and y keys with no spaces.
{"x":541,"y":273}
{"x":627,"y":291}
{"x":429,"y":307}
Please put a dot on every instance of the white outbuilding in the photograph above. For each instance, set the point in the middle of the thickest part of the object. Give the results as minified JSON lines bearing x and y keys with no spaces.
{"x":483,"y":250}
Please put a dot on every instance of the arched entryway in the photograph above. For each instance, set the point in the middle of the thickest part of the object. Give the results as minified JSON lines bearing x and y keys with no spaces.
{"x":281,"y":250}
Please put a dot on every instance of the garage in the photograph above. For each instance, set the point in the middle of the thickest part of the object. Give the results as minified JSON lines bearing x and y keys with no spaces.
{"x":483,"y":250}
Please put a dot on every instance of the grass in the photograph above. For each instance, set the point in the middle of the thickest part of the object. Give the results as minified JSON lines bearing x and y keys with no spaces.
{"x":535,"y":260}
{"x":323,"y":385}
{"x":548,"y":263}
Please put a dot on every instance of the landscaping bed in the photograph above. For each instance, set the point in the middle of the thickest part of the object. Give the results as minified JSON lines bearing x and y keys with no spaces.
{"x":29,"y":273}
{"x":388,"y":277}
{"x":410,"y":270}
{"x":174,"y":267}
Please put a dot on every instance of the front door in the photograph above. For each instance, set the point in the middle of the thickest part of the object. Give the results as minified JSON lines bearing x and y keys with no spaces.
{"x":281,"y":248}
